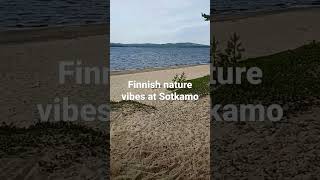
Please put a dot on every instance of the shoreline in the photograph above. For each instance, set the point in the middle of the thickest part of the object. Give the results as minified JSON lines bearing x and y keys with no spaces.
{"x":40,"y":34}
{"x":119,"y":83}
{"x":30,"y":70}
{"x":245,"y":15}
{"x":136,"y":71}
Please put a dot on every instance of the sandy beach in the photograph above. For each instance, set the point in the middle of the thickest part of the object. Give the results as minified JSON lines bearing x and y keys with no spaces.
{"x":171,"y":139}
{"x":270,"y":33}
{"x":158,"y":140}
{"x":30,"y":70}
{"x":170,"y":142}
{"x":260,"y":35}
{"x":29,"y":76}
{"x":166,"y":139}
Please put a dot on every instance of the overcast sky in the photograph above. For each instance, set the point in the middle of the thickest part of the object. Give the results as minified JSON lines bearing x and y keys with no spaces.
{"x":159,"y":21}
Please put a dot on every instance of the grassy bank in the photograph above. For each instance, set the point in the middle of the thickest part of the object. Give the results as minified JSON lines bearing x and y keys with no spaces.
{"x":200,"y":86}
{"x":64,"y":144}
{"x":290,"y":78}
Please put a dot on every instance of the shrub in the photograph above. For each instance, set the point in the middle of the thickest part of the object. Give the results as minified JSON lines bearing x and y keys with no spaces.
{"x":180,"y":78}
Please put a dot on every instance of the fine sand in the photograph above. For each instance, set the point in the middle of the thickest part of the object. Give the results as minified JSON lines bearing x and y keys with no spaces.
{"x":29,"y":76}
{"x":271,"y":33}
{"x":30,"y":71}
{"x":167,"y":140}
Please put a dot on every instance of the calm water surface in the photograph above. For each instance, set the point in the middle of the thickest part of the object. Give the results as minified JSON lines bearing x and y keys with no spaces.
{"x":231,"y":7}
{"x":43,"y":13}
{"x":125,"y":58}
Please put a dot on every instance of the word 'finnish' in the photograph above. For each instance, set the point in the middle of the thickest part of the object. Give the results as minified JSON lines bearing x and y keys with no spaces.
{"x":82,"y":75}
{"x":156,"y":85}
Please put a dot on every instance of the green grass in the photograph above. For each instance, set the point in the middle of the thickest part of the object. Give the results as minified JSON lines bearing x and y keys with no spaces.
{"x":291,"y":77}
{"x":200,"y":86}
{"x":46,"y":135}
{"x":67,"y":143}
{"x":137,"y":105}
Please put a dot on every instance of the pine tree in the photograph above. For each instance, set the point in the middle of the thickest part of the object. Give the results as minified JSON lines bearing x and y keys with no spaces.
{"x":234,"y":49}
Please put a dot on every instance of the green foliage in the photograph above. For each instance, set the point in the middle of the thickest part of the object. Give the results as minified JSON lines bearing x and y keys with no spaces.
{"x":200,"y":86}
{"x":234,"y":49}
{"x":232,"y":54}
{"x":214,"y":51}
{"x":179,"y":78}
{"x":136,"y":105}
{"x":290,"y":78}
{"x":68,"y":142}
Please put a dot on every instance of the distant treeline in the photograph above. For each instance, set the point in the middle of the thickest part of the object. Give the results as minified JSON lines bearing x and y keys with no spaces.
{"x":180,"y":45}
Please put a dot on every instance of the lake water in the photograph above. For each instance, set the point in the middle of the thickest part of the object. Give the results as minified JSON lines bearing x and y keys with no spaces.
{"x":232,"y":7}
{"x":43,"y":13}
{"x":126,"y":58}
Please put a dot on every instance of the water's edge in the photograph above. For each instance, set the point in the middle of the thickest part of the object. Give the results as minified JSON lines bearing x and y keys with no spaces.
{"x":134,"y":71}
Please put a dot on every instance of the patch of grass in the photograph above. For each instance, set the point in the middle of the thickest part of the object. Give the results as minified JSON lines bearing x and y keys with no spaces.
{"x":290,"y":77}
{"x":66,"y":143}
{"x":137,"y":105}
{"x":200,"y":86}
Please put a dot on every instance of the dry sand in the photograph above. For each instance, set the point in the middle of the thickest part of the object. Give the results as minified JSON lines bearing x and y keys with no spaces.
{"x":29,"y":76}
{"x":29,"y":72}
{"x":271,"y":33}
{"x":168,"y":142}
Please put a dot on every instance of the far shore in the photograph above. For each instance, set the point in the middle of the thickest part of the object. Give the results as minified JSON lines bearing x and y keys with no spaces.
{"x":135,"y":71}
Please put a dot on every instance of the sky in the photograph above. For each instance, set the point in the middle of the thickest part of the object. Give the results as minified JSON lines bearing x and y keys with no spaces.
{"x":159,"y":21}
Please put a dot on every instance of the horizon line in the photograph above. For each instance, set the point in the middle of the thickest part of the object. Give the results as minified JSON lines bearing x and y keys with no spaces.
{"x":162,"y":43}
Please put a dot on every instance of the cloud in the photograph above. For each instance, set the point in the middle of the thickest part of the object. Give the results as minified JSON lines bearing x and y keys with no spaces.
{"x":146,"y":21}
